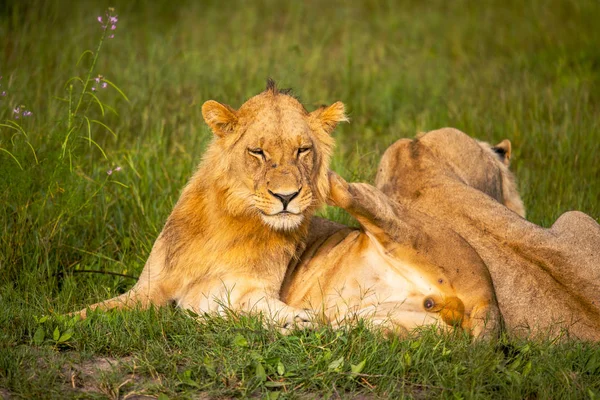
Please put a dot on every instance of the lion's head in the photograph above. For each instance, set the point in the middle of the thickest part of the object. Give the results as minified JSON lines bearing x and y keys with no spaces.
{"x":270,"y":157}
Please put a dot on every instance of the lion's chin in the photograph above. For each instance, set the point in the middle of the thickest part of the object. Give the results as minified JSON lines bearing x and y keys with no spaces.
{"x":283,"y":221}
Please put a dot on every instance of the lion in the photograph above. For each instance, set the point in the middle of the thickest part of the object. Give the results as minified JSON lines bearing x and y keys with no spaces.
{"x":546,"y":281}
{"x":443,"y":241}
{"x":244,"y":213}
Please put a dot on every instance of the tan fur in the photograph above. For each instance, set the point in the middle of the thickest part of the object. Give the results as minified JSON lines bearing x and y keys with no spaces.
{"x":546,"y":281}
{"x":400,"y":270}
{"x":445,"y":224}
{"x":244,"y":213}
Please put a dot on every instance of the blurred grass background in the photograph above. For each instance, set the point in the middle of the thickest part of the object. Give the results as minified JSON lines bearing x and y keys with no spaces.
{"x":526,"y":71}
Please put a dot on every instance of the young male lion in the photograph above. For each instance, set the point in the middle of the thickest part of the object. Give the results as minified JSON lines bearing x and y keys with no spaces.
{"x":245,"y":211}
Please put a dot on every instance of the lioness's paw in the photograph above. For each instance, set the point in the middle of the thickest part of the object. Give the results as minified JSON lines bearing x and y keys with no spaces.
{"x":338,"y":192}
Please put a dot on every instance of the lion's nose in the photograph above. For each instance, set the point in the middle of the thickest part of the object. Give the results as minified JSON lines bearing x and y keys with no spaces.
{"x":285,"y":198}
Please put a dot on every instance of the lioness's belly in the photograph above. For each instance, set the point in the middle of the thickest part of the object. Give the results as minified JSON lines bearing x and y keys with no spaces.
{"x":356,"y":278}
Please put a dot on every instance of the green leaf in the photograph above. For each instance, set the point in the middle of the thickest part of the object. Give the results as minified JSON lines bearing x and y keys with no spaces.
{"x":336,"y":365}
{"x":515,"y":364}
{"x":97,"y":100}
{"x":210,"y":368}
{"x":415,"y":345}
{"x":527,"y":368}
{"x":39,"y":335}
{"x":407,"y":359}
{"x":272,"y":361}
{"x":186,"y":379}
{"x":162,"y":396}
{"x":356,"y":369}
{"x":56,"y":334}
{"x":280,"y":368}
{"x":105,"y":126}
{"x":240,"y":341}
{"x":275,"y":384}
{"x":117,"y":89}
{"x":260,"y":372}
{"x":43,"y":319}
{"x":272,"y":395}
{"x":65,"y":336}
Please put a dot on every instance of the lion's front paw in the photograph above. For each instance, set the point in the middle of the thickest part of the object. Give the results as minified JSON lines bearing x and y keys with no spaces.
{"x":300,"y":320}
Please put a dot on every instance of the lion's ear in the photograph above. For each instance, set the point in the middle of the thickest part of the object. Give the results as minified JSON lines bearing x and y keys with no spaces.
{"x":503,"y":150}
{"x":329,"y":117}
{"x":221,"y":118}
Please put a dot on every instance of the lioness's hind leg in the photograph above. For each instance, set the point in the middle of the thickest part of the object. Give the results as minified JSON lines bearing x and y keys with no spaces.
{"x":374,"y":210}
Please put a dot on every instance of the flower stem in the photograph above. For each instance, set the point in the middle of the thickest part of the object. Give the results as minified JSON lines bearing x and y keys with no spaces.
{"x":70,"y":106}
{"x":91,"y":70}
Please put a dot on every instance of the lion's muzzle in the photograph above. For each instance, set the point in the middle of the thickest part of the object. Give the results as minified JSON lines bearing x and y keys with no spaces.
{"x":285,"y":197}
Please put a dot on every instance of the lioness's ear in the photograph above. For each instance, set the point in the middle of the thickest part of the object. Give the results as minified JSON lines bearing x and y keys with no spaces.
{"x":221,"y":118}
{"x":329,"y":117}
{"x":503,"y":149}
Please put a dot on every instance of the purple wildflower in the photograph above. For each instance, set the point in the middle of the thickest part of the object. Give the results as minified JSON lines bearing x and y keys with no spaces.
{"x":104,"y":85}
{"x":93,"y":88}
{"x":3,"y":93}
{"x":111,"y":20}
{"x":27,"y":113}
{"x":110,"y":171}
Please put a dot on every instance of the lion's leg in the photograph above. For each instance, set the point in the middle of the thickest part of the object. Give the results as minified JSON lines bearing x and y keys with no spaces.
{"x":126,"y":300}
{"x":153,"y":287}
{"x":244,"y":294}
{"x":276,"y":311}
{"x":140,"y":296}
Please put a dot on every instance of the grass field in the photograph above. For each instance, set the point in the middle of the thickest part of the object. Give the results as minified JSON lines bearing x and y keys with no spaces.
{"x":527,"y":71}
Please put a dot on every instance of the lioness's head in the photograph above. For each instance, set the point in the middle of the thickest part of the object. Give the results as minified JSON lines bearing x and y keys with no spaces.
{"x":479,"y":164}
{"x":501,"y":154}
{"x":448,"y":153}
{"x":271,"y":156}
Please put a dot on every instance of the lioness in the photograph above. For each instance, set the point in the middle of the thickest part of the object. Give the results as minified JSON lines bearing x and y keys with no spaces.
{"x":400,"y":270}
{"x":244,"y":213}
{"x":546,"y":281}
{"x":444,"y":213}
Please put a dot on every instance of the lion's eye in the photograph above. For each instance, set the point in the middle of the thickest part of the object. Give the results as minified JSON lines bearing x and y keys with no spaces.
{"x":259,"y":153}
{"x":303,"y":150}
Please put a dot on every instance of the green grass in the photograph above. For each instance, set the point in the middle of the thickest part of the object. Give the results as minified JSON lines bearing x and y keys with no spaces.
{"x":528,"y":72}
